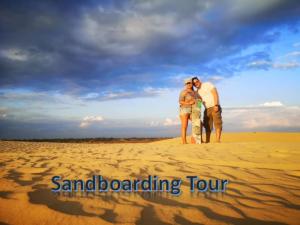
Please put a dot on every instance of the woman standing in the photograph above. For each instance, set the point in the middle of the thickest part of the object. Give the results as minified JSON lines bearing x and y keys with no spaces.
{"x":186,"y":100}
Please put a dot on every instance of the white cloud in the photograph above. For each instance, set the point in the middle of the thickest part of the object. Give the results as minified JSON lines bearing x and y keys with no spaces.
{"x":164,"y":123}
{"x":3,"y":113}
{"x":215,"y":78}
{"x":259,"y":63}
{"x":14,"y":54}
{"x":154,"y":124}
{"x":88,"y":120}
{"x":264,"y":121}
{"x":297,"y":44}
{"x":266,"y":117}
{"x":91,"y":95}
{"x":178,"y":79}
{"x":120,"y":94}
{"x":155,"y":91}
{"x":272,"y":104}
{"x":171,"y":122}
{"x":275,"y":65}
{"x":33,"y":55}
{"x":287,"y":65}
{"x":127,"y":32}
{"x":293,"y":54}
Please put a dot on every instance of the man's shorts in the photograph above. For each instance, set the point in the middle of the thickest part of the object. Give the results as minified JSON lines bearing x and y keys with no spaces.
{"x":185,"y":110}
{"x":212,"y":119}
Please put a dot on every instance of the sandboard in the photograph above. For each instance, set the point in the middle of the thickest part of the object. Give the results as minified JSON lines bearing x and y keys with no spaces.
{"x":196,"y":121}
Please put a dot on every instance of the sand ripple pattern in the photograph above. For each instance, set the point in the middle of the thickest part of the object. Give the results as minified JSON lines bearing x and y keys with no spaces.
{"x":264,"y":183}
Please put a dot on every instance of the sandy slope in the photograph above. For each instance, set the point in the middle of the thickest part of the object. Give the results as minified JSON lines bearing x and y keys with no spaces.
{"x":263,"y":170}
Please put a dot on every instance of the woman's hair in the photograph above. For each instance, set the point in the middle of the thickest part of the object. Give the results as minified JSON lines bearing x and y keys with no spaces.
{"x":192,"y":87}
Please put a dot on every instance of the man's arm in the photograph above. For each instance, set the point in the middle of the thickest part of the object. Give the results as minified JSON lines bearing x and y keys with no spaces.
{"x":216,"y":99}
{"x":216,"y":96}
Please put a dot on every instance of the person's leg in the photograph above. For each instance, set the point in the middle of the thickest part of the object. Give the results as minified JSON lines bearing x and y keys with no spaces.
{"x":207,"y":125}
{"x":184,"y":124}
{"x":217,"y":118}
{"x":201,"y":133}
{"x":218,"y":135}
{"x":193,"y":141}
{"x":207,"y":134}
{"x":189,"y":118}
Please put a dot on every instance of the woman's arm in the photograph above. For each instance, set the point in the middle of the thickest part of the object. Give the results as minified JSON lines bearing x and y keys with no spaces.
{"x":183,"y":101}
{"x":187,"y":103}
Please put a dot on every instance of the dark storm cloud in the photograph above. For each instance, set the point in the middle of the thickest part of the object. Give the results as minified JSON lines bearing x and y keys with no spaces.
{"x":97,"y":46}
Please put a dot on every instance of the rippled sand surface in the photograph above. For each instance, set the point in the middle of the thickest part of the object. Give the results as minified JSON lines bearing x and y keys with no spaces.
{"x":263,"y":170}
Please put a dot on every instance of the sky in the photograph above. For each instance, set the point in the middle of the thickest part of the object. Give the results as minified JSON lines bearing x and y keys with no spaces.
{"x":115,"y":68}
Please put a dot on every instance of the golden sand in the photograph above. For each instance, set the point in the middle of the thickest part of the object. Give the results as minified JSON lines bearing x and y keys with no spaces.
{"x":263,"y":170}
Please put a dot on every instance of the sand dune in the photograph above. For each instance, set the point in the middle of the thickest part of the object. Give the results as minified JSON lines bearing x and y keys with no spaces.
{"x":263,"y":170}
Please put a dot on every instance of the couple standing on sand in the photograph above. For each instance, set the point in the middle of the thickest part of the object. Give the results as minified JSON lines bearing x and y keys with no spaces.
{"x":190,"y":102}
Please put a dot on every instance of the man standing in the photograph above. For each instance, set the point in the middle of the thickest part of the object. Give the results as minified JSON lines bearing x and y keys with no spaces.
{"x":213,"y":110}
